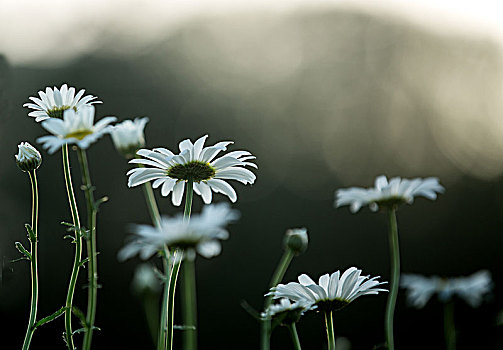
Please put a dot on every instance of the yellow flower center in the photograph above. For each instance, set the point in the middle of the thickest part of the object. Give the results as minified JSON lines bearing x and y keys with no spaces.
{"x":79,"y":134}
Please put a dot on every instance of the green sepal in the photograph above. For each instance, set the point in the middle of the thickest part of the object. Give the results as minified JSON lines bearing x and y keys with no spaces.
{"x":22,"y":250}
{"x":50,"y":317}
{"x":31,"y":234}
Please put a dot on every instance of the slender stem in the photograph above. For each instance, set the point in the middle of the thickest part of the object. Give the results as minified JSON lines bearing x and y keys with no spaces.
{"x":33,"y":260}
{"x":78,"y":249}
{"x":395,"y":277}
{"x":92,"y":271}
{"x":449,"y":327}
{"x":150,"y":306}
{"x":329,"y":323}
{"x":162,"y":335}
{"x":265,"y":326}
{"x":153,"y":210}
{"x":175,"y":264}
{"x":188,"y":200}
{"x":294,"y":335}
{"x":189,"y":301}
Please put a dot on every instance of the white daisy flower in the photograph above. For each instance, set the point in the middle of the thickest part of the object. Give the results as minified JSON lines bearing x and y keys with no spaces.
{"x":472,"y":288}
{"x":128,"y":136}
{"x":286,"y":312}
{"x":28,"y":157}
{"x":53,"y":102}
{"x":332,"y":292}
{"x":196,"y":163}
{"x":394,"y":192}
{"x":201,"y":233}
{"x":75,"y":128}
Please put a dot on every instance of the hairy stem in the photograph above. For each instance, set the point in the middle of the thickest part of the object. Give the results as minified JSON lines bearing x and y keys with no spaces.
{"x":92,"y":271}
{"x":78,"y":249}
{"x":33,"y":260}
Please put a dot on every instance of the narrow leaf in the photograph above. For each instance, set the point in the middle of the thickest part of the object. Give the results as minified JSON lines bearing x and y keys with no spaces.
{"x":50,"y":317}
{"x":22,"y":250}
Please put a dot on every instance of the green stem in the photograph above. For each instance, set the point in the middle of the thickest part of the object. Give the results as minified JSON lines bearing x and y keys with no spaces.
{"x":78,"y":249}
{"x":153,"y":210}
{"x":150,"y":306}
{"x":265,"y":327}
{"x":162,"y":335}
{"x":175,"y":264}
{"x":395,"y":277}
{"x":294,"y":335}
{"x":449,"y":327}
{"x":189,"y":301}
{"x":329,"y":323}
{"x":92,"y":271}
{"x":33,"y":260}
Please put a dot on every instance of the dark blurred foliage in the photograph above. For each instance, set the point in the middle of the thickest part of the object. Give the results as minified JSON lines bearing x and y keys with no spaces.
{"x":324,"y":100}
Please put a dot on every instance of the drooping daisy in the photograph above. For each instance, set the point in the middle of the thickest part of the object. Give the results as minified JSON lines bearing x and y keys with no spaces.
{"x":128,"y":136}
{"x":472,"y":288}
{"x":194,"y":162}
{"x":287,"y":312}
{"x":53,"y":102}
{"x":28,"y":157}
{"x":396,"y":191}
{"x":75,"y":128}
{"x":202,"y":233}
{"x":332,"y":292}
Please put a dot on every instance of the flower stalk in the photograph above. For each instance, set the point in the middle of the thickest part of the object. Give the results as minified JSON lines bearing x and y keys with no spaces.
{"x":449,"y":327}
{"x":189,"y":283}
{"x":329,"y":323}
{"x":395,"y":277}
{"x":265,"y":329}
{"x":33,"y":260}
{"x":294,"y":335}
{"x":78,"y":249}
{"x":92,"y":271}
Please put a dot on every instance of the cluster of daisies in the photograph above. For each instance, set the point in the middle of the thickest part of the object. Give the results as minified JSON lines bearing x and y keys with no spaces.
{"x":69,"y":117}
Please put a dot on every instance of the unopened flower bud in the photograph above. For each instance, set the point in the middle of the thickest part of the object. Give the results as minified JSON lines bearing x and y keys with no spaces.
{"x":128,"y":136}
{"x":296,"y":240}
{"x":28,"y":158}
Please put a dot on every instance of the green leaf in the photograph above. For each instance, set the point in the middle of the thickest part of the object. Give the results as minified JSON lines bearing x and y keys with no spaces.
{"x":22,"y":250}
{"x":31,"y":234}
{"x":80,"y":315}
{"x":82,"y":262}
{"x":99,"y":202}
{"x":50,"y":317}
{"x":81,"y":330}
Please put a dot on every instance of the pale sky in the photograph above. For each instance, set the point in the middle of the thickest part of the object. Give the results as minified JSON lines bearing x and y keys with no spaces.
{"x":52,"y":31}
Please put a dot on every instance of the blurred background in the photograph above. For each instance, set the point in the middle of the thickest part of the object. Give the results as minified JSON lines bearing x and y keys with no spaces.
{"x":326,"y":94}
